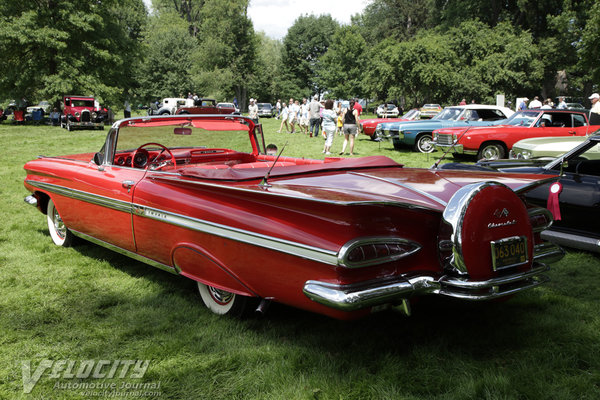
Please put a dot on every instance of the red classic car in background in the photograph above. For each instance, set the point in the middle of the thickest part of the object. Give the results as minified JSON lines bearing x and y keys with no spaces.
{"x":206,"y":106}
{"x":494,"y":142}
{"x":198,"y":196}
{"x":81,"y":112}
{"x":367,"y":126}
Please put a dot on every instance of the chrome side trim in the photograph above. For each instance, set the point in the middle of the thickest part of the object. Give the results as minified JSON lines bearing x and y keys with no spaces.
{"x":240,"y":235}
{"x":125,"y":252}
{"x":325,"y":256}
{"x":103,"y":201}
{"x":404,"y":186}
{"x":372,"y":293}
{"x":547,"y":252}
{"x":572,"y":240}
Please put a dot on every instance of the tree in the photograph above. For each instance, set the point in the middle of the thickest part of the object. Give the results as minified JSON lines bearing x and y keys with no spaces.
{"x":56,"y":47}
{"x":188,"y":10}
{"x":341,"y":68}
{"x":306,"y":41}
{"x":396,"y":19}
{"x":265,"y":83}
{"x":168,"y":50}
{"x":226,"y":58}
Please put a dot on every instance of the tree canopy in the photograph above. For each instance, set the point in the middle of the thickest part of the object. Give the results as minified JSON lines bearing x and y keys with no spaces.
{"x":415,"y":51}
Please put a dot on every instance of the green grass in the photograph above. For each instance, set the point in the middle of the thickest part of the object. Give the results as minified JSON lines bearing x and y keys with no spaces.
{"x":88,"y":303}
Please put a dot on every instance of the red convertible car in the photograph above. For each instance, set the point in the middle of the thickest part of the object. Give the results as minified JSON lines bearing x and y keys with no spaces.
{"x":198,"y":196}
{"x":494,"y":142}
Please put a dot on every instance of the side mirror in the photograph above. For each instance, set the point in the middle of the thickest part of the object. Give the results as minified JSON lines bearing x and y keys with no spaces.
{"x":98,"y":158}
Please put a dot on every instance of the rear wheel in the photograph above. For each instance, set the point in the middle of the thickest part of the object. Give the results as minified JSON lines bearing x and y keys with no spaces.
{"x":59,"y":233}
{"x":222,"y":302}
{"x":491,"y":151}
{"x":424,"y":144}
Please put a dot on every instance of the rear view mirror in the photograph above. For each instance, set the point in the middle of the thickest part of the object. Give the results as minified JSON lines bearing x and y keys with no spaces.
{"x":182,"y":131}
{"x":98,"y":158}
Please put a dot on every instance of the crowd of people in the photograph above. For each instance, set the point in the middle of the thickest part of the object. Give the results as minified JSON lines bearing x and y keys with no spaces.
{"x":324,"y":116}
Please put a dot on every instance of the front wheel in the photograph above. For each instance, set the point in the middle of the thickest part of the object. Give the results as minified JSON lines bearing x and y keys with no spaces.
{"x":222,"y":302}
{"x":491,"y":151}
{"x":424,"y":144}
{"x":59,"y":233}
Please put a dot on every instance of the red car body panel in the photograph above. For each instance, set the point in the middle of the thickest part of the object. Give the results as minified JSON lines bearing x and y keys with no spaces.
{"x":210,"y":219}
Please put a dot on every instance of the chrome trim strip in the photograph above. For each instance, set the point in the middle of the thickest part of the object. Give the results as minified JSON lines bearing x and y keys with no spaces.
{"x":572,"y":240}
{"x":372,"y":293}
{"x":125,"y":252}
{"x":404,"y":186}
{"x":240,"y":235}
{"x":244,"y":236}
{"x":98,"y":200}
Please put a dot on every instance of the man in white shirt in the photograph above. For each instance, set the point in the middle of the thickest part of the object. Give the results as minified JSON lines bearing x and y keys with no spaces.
{"x":535,"y":103}
{"x":253,"y":111}
{"x":561,"y":103}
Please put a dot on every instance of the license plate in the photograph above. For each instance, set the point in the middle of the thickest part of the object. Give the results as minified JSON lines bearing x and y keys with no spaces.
{"x":509,"y":252}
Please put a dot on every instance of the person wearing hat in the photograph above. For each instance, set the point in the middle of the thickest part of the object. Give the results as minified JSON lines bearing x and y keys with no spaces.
{"x":523,"y":105}
{"x":595,"y":110}
{"x":253,"y":111}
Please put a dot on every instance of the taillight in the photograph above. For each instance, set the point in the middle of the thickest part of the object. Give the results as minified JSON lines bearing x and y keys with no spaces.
{"x":376,"y":250}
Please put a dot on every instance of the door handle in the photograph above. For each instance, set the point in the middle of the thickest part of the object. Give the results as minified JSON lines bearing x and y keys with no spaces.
{"x":127,"y":184}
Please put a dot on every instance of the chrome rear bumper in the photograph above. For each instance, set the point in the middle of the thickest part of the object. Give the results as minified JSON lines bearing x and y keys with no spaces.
{"x":372,"y":293}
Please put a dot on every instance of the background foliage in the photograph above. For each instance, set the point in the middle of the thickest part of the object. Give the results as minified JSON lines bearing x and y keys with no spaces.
{"x":413,"y":51}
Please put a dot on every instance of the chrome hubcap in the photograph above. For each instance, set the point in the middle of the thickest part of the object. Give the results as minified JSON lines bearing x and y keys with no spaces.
{"x":220,"y":296}
{"x":59,"y":226}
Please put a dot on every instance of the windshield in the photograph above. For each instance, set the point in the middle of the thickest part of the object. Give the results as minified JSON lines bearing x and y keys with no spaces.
{"x":411,"y":114}
{"x":523,"y":118}
{"x":449,"y":114}
{"x":187,"y":133}
{"x":82,"y":103}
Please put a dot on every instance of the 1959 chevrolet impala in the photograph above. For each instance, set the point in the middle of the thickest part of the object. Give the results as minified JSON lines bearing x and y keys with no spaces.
{"x":200,"y":196}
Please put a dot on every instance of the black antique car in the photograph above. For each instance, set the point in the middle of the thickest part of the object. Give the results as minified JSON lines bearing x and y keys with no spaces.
{"x":579,"y":199}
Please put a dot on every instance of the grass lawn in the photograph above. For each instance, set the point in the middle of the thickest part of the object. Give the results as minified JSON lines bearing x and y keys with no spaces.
{"x":88,"y":303}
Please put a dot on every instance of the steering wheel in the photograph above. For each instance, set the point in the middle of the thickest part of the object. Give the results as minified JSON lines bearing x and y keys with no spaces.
{"x":141,"y":160}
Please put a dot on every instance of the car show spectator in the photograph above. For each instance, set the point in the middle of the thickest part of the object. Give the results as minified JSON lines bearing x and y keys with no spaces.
{"x":284,"y":118}
{"x":561,"y":103}
{"x":303,"y":117}
{"x":463,"y":102}
{"x":314,"y":115}
{"x":350,"y":127}
{"x":535,"y":103}
{"x":253,"y":111}
{"x":55,"y":117}
{"x":329,"y":125}
{"x":293,"y":110}
{"x":523,"y":103}
{"x":126,"y":109}
{"x":548,"y":104}
{"x":595,"y":109}
{"x":278,"y":107}
{"x":358,"y":107}
{"x":271,"y":149}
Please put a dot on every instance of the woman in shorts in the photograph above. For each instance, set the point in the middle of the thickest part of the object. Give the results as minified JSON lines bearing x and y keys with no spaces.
{"x":350,"y":127}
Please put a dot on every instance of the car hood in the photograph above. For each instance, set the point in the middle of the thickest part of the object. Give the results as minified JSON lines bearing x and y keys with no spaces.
{"x":553,"y":144}
{"x":392,"y":184}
